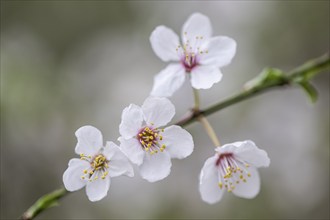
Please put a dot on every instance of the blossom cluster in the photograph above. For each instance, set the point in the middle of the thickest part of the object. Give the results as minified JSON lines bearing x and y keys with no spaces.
{"x":146,"y":141}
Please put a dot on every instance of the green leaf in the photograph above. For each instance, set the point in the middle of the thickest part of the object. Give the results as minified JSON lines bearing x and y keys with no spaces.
{"x":310,"y":90}
{"x":266,"y":77}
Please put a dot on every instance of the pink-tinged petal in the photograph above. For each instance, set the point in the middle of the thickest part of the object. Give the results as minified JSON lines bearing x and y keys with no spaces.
{"x":158,"y":111}
{"x":220,"y":51}
{"x":197,"y":25}
{"x":250,"y":188}
{"x":203,"y":77}
{"x":248,"y":152}
{"x":227,"y":148}
{"x":156,"y":167}
{"x":98,"y":189}
{"x":168,"y":80}
{"x":90,"y":140}
{"x":179,"y":143}
{"x":209,"y":182}
{"x":132,"y":149}
{"x":164,"y":43}
{"x":131,"y":121}
{"x":119,"y":163}
{"x":72,"y":175}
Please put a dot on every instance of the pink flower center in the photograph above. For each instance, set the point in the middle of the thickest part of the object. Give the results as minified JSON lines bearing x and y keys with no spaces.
{"x":190,"y":52}
{"x":231,"y":171}
{"x":150,"y":138}
{"x":189,"y":62}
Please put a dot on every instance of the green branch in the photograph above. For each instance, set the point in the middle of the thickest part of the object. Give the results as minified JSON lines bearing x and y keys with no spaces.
{"x":47,"y":201}
{"x":269,"y":78}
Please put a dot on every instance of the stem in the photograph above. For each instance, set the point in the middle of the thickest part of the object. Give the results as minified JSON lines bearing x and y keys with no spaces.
{"x":209,"y":130}
{"x":311,"y":68}
{"x":196,"y":99}
{"x":45,"y":202}
{"x":305,"y":71}
{"x":206,"y":124}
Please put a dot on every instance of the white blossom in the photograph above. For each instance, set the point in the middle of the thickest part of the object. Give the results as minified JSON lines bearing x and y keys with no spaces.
{"x":234,"y":169}
{"x":97,"y":164}
{"x":199,"y":55}
{"x":147,"y":144}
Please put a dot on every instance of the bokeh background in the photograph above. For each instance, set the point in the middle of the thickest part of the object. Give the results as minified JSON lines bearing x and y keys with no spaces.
{"x":65,"y":64}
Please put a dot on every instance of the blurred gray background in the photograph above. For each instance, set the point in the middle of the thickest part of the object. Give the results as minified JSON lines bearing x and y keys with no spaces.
{"x":65,"y":64}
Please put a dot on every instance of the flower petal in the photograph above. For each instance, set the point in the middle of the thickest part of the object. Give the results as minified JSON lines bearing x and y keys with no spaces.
{"x":156,"y":167}
{"x":110,"y":150}
{"x":251,"y":187}
{"x":197,"y":25}
{"x":251,"y":154}
{"x":221,"y":51}
{"x":131,"y":121}
{"x":72,"y":175}
{"x":208,"y":182}
{"x":158,"y":111}
{"x":179,"y":143}
{"x":168,"y":80}
{"x":119,"y":163}
{"x":164,"y":43}
{"x":132,"y":149}
{"x":227,"y":148}
{"x":90,"y":140}
{"x":98,"y":189}
{"x":203,"y":77}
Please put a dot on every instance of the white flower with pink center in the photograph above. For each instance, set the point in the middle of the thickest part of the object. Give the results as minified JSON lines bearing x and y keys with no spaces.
{"x":198,"y":56}
{"x":147,"y":144}
{"x":97,"y":164}
{"x":234,"y":169}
